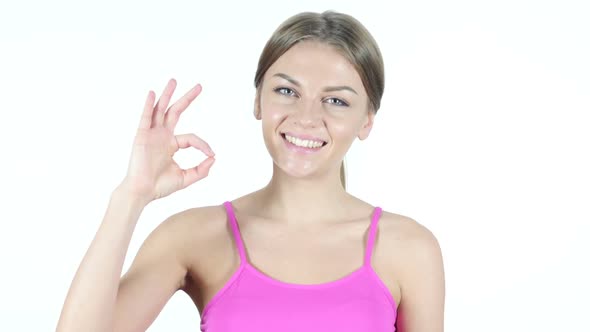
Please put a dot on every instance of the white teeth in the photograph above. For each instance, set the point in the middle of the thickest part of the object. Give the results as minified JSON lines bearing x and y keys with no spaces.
{"x":303,"y":142}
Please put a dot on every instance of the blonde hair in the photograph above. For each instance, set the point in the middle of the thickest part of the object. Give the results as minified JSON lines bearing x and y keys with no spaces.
{"x":346,"y":34}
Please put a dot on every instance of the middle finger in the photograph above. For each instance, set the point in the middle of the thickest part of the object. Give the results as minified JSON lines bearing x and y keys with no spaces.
{"x":180,"y":105}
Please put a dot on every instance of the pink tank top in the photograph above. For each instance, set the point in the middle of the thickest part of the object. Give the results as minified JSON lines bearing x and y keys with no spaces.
{"x":251,"y":301}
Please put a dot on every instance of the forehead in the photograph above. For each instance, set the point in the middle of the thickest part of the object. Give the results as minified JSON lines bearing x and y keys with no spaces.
{"x":316,"y":63}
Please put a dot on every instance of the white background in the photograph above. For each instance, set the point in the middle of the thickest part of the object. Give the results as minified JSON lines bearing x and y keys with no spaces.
{"x":483,"y":137}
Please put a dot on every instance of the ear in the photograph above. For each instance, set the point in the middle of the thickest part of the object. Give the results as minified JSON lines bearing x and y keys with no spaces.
{"x":367,"y":126}
{"x":257,"y":105}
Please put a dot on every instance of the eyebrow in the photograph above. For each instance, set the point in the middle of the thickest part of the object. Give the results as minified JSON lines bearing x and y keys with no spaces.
{"x":327,"y":89}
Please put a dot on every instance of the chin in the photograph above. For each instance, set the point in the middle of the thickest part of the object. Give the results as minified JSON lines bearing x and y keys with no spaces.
{"x":305,"y":170}
{"x":298,"y":168}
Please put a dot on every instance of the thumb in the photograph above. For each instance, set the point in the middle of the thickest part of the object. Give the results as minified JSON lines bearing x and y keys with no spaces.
{"x":197,"y":173}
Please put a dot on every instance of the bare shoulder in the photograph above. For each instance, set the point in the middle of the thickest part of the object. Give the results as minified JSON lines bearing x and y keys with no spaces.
{"x":416,"y":259}
{"x":409,"y":248}
{"x":194,"y":225}
{"x":408,"y":234}
{"x":205,"y":236}
{"x":200,"y":217}
{"x":186,"y":233}
{"x":163,"y":265}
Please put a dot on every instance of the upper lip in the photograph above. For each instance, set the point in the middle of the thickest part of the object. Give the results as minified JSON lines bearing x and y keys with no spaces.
{"x":304,"y":136}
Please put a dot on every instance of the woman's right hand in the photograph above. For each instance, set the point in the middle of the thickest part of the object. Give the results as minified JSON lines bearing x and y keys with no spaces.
{"x":152,"y":173}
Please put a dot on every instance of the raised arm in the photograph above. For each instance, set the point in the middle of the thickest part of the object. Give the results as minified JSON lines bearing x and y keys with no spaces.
{"x":98,"y":299}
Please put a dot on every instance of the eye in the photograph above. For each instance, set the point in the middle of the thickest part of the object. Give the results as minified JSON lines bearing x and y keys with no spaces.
{"x":285,"y":91}
{"x":336,"y":101}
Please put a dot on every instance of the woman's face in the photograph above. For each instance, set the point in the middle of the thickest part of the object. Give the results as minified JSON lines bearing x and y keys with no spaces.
{"x":313,"y":105}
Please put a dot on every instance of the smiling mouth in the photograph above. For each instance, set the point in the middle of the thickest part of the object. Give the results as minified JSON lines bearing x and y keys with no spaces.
{"x":306,"y":144}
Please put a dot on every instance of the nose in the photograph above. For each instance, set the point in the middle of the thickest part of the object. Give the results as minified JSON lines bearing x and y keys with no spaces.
{"x":308,"y":115}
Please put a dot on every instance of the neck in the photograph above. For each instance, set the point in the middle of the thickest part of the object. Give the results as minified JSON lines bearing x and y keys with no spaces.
{"x":303,"y":200}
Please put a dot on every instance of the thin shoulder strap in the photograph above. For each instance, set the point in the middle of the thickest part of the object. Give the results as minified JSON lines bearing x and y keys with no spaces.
{"x":372,"y":232}
{"x":236,"y":231}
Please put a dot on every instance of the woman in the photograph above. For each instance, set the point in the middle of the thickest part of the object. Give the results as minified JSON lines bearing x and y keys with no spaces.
{"x":318,"y":87}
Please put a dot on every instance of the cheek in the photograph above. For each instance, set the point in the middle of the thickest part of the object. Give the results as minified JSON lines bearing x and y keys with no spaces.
{"x":274,"y":110}
{"x":343,"y":127}
{"x":342,"y":132}
{"x":272,"y":116}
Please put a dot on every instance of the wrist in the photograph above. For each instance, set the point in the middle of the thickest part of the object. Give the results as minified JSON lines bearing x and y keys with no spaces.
{"x":125,"y":192}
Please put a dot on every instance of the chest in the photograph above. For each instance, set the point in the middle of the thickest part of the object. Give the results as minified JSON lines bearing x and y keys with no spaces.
{"x":306,"y":256}
{"x":254,"y":305}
